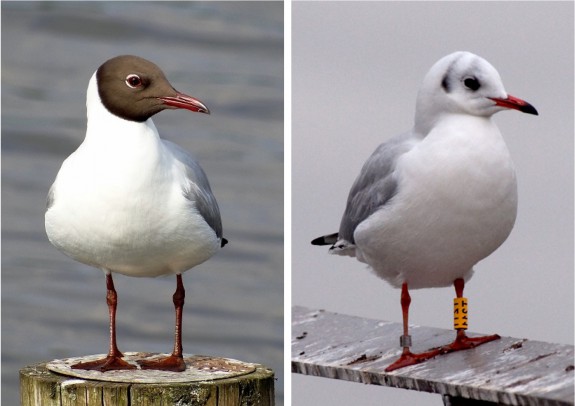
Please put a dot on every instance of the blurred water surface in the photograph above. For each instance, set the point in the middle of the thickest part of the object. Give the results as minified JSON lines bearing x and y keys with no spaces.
{"x":230,"y":56}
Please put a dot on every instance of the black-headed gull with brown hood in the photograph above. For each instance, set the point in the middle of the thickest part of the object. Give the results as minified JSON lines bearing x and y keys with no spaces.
{"x":127,"y":201}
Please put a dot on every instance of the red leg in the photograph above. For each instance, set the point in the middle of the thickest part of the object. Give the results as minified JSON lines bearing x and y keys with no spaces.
{"x":408,"y":358}
{"x":113,"y":360}
{"x":174,"y":362}
{"x":462,"y":342}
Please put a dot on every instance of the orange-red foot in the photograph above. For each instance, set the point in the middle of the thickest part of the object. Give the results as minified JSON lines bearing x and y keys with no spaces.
{"x":462,"y":342}
{"x":172,"y":363}
{"x":110,"y":363}
{"x":408,"y":358}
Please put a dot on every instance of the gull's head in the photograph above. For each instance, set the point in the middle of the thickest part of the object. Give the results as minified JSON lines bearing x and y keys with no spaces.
{"x":135,"y":89}
{"x":463,"y":83}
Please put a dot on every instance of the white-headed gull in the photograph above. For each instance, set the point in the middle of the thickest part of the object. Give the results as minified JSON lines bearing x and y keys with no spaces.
{"x":127,"y":201}
{"x":432,"y":202}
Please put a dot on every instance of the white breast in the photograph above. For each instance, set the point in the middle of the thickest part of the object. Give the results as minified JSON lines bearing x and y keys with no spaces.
{"x":118,"y":205}
{"x":456,"y":203}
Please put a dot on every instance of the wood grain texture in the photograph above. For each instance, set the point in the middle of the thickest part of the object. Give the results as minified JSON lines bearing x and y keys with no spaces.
{"x":508,"y":371}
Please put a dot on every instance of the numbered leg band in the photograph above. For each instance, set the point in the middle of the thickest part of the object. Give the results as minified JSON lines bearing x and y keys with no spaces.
{"x":460,"y":313}
{"x":405,"y":341}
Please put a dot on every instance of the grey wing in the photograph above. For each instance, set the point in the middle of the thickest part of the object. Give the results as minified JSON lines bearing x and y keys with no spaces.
{"x":202,"y":195}
{"x":375,"y":185}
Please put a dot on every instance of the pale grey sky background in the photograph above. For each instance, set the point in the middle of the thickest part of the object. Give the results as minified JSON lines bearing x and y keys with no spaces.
{"x":356,"y":71}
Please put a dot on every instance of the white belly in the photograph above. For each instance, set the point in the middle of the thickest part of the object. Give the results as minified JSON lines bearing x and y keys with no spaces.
{"x":456,"y":204}
{"x":127,"y":217}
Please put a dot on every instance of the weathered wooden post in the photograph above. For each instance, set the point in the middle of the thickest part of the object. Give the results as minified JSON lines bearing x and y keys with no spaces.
{"x":207,"y":381}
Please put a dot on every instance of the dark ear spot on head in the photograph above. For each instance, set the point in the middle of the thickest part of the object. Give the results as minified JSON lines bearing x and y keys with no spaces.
{"x":445,"y":83}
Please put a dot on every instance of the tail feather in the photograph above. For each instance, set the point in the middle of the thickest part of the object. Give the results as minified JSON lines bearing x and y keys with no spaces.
{"x":338,"y":246}
{"x":343,"y":247}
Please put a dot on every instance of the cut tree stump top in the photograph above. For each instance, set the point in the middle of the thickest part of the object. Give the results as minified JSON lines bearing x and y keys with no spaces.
{"x":509,"y":371}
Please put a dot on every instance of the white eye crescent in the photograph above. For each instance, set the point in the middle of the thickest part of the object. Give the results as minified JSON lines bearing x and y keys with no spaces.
{"x":133,"y":81}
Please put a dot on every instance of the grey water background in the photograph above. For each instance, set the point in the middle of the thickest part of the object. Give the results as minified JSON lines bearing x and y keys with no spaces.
{"x":227,"y":54}
{"x":356,"y":69}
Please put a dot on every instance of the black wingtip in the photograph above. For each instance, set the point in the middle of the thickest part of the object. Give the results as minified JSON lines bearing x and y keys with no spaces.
{"x":325,"y":239}
{"x":319,"y":241}
{"x":224,"y":242}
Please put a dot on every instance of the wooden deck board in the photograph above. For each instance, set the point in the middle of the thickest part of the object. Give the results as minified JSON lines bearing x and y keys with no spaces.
{"x":510,"y":371}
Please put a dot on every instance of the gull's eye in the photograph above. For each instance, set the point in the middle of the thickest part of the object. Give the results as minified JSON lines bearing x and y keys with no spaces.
{"x":471,"y":83}
{"x":133,"y":81}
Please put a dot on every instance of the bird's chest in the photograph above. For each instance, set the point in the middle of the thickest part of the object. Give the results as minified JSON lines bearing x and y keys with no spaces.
{"x":459,"y":174}
{"x":122,"y":195}
{"x":454,"y":193}
{"x":456,"y":202}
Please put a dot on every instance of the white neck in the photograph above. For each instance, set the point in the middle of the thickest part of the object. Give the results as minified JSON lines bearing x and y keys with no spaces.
{"x":104,"y":127}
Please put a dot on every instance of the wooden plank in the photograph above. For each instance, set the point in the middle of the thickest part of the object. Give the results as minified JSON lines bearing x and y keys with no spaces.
{"x":508,"y":371}
{"x":41,"y":387}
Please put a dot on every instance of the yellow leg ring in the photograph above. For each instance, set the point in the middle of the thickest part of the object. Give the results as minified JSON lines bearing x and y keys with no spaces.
{"x":460,"y":313}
